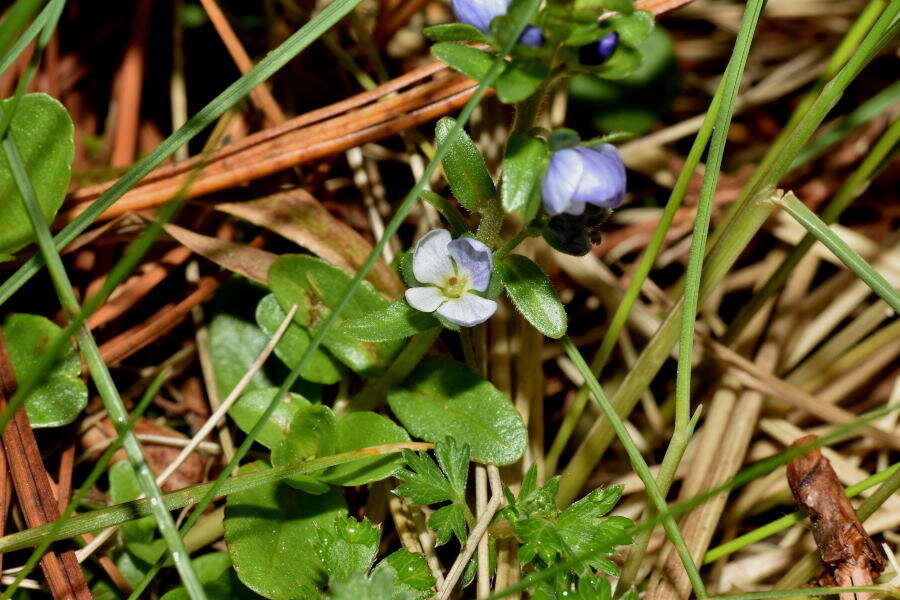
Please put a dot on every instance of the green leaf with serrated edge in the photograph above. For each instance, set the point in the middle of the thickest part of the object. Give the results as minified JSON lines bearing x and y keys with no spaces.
{"x":63,"y":395}
{"x":444,"y":398}
{"x":520,"y":79}
{"x":423,"y":481}
{"x":469,"y":61}
{"x":455,"y":32}
{"x":398,"y":320}
{"x":446,"y":521}
{"x":316,"y":287}
{"x":533,"y":294}
{"x":42,"y":131}
{"x":464,"y":167}
{"x":411,"y":573}
{"x":321,"y":368}
{"x":124,"y":487}
{"x":271,"y":533}
{"x":362,"y":430}
{"x":586,"y":531}
{"x":311,"y":435}
{"x":251,"y":406}
{"x":218,"y":578}
{"x":633,"y":29}
{"x":380,"y":586}
{"x":523,"y":168}
{"x":540,"y":539}
{"x":453,"y":459}
{"x":347,"y":546}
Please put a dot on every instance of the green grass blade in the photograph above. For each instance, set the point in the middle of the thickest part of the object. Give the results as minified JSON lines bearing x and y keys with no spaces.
{"x":773,"y":527}
{"x":15,"y":18}
{"x":640,"y":467}
{"x":853,"y":261}
{"x":875,"y":161}
{"x":102,"y":518}
{"x":9,"y":57}
{"x":727,"y":243}
{"x":98,"y":470}
{"x":233,"y":94}
{"x":101,"y":376}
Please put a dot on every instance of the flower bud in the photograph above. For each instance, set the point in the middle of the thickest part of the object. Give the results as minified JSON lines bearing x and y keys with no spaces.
{"x":480,"y":13}
{"x":582,"y":175}
{"x":597,"y":53}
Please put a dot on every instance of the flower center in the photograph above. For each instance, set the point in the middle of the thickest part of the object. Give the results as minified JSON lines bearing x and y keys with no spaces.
{"x":455,"y":286}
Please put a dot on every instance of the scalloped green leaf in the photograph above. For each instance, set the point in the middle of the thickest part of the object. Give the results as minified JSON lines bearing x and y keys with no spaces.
{"x":42,"y":130}
{"x":321,"y":368}
{"x":444,"y":398}
{"x":316,"y":287}
{"x":63,"y":395}
{"x":533,"y":294}
{"x":271,"y":533}
{"x":361,"y":430}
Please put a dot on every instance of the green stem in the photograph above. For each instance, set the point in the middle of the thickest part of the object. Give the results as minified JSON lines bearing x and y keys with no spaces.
{"x":15,"y":18}
{"x":770,"y":529}
{"x":728,"y":242}
{"x":136,"y":509}
{"x":876,"y":160}
{"x":841,"y":249}
{"x":101,"y":376}
{"x":511,"y":245}
{"x":10,"y":56}
{"x":640,"y":467}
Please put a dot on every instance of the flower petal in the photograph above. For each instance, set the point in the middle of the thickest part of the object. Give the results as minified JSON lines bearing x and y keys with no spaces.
{"x":603,"y":182}
{"x":561,"y":180}
{"x":431,"y":261}
{"x":427,"y":299}
{"x":478,"y":13}
{"x":474,"y":257}
{"x":531,"y":36}
{"x":468,"y":310}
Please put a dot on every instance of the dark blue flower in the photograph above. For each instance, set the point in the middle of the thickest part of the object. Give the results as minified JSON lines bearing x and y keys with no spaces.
{"x":581,"y":175}
{"x":480,"y":13}
{"x":597,"y":53}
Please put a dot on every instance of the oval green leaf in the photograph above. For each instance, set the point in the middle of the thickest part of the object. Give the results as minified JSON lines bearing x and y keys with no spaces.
{"x":398,"y":320}
{"x":520,"y":79}
{"x":446,"y":398}
{"x":251,"y":406}
{"x":523,"y":167}
{"x":321,"y":367}
{"x":312,"y":434}
{"x":533,"y":294}
{"x":42,"y":130}
{"x":455,"y":32}
{"x":362,"y":430}
{"x":464,"y":167}
{"x":271,"y":535}
{"x":316,"y":287}
{"x":63,"y":395}
{"x":467,"y":60}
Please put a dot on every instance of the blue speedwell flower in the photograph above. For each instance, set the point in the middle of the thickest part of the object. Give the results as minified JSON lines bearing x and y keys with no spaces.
{"x":453,"y":271}
{"x":597,"y":53}
{"x":480,"y":13}
{"x":581,"y":175}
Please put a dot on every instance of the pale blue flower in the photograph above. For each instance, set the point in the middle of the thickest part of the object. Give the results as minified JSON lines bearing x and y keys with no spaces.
{"x":480,"y":13}
{"x":581,"y":175}
{"x":452,"y":271}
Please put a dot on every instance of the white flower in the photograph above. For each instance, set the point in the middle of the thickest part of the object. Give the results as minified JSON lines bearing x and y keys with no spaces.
{"x":453,"y":270}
